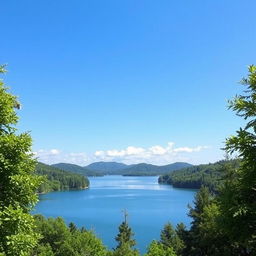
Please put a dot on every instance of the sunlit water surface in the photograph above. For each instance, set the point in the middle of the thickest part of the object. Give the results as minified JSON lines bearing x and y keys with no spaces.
{"x":100,"y":208}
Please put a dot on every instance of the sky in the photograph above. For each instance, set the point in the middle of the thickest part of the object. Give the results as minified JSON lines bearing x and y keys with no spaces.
{"x":128,"y":81}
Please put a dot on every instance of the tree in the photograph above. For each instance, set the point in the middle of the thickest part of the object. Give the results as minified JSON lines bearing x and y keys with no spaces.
{"x":62,"y":240}
{"x":124,"y":239}
{"x":238,"y":197}
{"x":72,"y":227}
{"x":170,"y":239}
{"x":194,"y":245}
{"x":158,"y":249}
{"x":125,"y":234}
{"x":18,"y":184}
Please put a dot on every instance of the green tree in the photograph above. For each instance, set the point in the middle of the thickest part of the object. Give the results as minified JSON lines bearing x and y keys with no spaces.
{"x":194,"y":245}
{"x":72,"y":227}
{"x":124,"y":239}
{"x":238,"y":197}
{"x":158,"y":249}
{"x":62,"y":240}
{"x":170,"y":239}
{"x":125,"y":234}
{"x":18,"y":184}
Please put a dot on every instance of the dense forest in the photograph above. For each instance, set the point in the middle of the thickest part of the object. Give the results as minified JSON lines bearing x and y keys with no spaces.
{"x":223,"y":223}
{"x":194,"y":177}
{"x":56,"y":179}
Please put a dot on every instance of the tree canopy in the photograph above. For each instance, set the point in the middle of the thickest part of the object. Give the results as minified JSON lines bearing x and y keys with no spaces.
{"x":18,"y":183}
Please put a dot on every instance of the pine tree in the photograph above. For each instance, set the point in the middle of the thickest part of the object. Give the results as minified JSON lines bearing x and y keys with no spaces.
{"x":125,"y":234}
{"x":124,"y":238}
{"x":72,"y":227}
{"x":170,"y":239}
{"x":18,"y":184}
{"x":195,"y":246}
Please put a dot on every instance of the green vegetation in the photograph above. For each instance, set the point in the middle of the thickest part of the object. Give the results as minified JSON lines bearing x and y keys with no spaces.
{"x":77,"y":169}
{"x":105,"y":167}
{"x":158,"y":249}
{"x":60,"y":240}
{"x":170,"y":238}
{"x":113,"y":168}
{"x":125,"y":241}
{"x":225,"y":224}
{"x":57,"y":179}
{"x":18,"y":183}
{"x":152,"y":170}
{"x":209,"y":175}
{"x":237,"y":203}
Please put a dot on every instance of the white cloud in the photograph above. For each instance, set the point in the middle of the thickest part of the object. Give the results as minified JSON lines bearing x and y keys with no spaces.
{"x":131,"y":155}
{"x":158,"y":150}
{"x":99,"y":153}
{"x":54,"y":151}
{"x":189,"y":150}
{"x":128,"y":151}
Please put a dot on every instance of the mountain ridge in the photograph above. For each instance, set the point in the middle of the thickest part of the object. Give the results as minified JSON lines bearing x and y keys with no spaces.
{"x":115,"y":168}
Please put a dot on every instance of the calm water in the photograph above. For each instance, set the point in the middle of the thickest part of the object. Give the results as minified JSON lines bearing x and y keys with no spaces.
{"x":149,"y":205}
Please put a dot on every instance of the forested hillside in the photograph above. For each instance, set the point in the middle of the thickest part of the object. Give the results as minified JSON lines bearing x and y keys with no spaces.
{"x":114,"y":168}
{"x":150,"y":169}
{"x":77,"y":169}
{"x":209,"y":175}
{"x":106,"y":166}
{"x":57,"y":179}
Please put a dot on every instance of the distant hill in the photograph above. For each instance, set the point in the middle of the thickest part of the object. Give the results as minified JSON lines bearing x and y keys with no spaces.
{"x":57,"y":179}
{"x":175,"y":166}
{"x":114,"y":168}
{"x":142,"y":169}
{"x":106,"y":166}
{"x":76,"y":169}
{"x":150,"y":169}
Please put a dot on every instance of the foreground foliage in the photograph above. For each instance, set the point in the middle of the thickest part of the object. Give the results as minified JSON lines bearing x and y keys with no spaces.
{"x":18,"y":183}
{"x":60,"y":240}
{"x":225,"y":224}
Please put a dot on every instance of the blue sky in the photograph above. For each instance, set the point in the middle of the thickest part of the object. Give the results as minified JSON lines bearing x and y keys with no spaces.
{"x":130,"y":81}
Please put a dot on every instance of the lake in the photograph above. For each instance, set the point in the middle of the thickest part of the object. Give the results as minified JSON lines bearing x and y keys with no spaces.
{"x":100,"y":207}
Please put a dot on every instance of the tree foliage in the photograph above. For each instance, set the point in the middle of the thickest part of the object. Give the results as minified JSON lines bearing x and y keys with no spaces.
{"x":238,"y":197}
{"x":124,"y":239}
{"x":60,"y":240}
{"x":18,"y":183}
{"x":225,"y":224}
{"x":158,"y":249}
{"x":170,"y":239}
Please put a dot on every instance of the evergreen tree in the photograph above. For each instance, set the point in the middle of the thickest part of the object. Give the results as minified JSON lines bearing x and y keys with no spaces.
{"x":57,"y":239}
{"x":194,"y":244}
{"x":170,"y":239}
{"x":125,"y":234}
{"x":18,"y":184}
{"x":125,"y":241}
{"x":72,"y":227}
